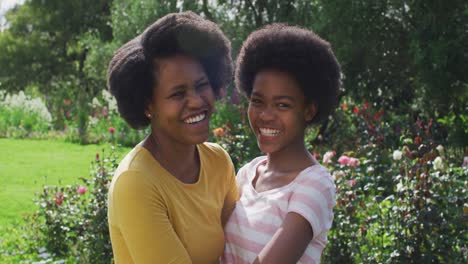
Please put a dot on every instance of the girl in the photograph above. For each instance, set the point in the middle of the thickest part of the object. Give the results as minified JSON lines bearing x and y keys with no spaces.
{"x":171,"y":194}
{"x":291,"y":79}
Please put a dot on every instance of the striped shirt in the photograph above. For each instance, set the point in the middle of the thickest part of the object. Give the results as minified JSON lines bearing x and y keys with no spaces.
{"x":258,"y":216}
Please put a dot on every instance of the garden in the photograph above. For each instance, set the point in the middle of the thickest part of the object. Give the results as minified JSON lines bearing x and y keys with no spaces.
{"x":396,"y":145}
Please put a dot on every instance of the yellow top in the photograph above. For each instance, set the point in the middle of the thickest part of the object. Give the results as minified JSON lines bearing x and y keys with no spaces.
{"x":155,"y":218}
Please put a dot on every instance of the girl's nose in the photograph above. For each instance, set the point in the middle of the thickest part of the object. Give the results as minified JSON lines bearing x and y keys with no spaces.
{"x":266,"y":114}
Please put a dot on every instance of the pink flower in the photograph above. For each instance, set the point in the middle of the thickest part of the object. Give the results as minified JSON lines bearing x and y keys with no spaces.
{"x":111,"y":130}
{"x":328,"y":156}
{"x":58,"y":201}
{"x":316,"y":155}
{"x":465,"y":162}
{"x":352,"y":182}
{"x":67,"y":101}
{"x":81,"y":190}
{"x":353,"y":162}
{"x":58,"y":198}
{"x":343,"y":160}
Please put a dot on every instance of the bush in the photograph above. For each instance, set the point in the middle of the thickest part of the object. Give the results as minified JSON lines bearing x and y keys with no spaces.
{"x":104,"y":123}
{"x":232,"y":131}
{"x":22,"y":116}
{"x":402,"y":206}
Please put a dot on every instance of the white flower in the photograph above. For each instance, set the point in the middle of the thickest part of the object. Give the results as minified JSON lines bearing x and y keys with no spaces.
{"x":397,"y":155}
{"x":110,"y":99}
{"x":24,"y":103}
{"x":438,"y":163}
{"x":95,"y":102}
{"x":440,"y":148}
{"x":328,"y":156}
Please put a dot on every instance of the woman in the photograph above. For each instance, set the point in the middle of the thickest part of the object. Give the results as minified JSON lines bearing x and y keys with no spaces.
{"x":171,"y":195}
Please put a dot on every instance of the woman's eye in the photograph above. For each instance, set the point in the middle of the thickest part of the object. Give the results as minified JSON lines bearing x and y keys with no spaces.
{"x":203,"y":85}
{"x":177,"y":94}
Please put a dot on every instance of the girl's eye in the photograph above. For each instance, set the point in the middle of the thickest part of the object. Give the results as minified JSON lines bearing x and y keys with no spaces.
{"x":254,"y":100}
{"x":283,"y":105}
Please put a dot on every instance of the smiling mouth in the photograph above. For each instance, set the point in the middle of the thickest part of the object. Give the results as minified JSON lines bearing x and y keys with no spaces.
{"x":269,"y":132}
{"x":195,"y":119}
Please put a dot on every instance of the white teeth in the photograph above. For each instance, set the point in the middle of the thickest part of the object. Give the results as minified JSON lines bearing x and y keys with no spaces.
{"x":269,"y":132}
{"x":195,"y":119}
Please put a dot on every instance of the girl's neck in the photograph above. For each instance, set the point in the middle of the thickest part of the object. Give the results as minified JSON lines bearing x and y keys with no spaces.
{"x":291,"y":159}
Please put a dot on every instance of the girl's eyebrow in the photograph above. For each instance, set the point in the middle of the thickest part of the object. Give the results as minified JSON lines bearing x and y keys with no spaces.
{"x":278,"y":97}
{"x":256,"y":94}
{"x":281,"y":97}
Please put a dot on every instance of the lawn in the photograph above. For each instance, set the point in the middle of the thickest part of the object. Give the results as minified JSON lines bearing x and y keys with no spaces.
{"x":27,"y":165}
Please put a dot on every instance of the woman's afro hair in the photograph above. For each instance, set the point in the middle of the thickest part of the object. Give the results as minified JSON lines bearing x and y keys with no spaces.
{"x":296,"y":51}
{"x":132,"y":70}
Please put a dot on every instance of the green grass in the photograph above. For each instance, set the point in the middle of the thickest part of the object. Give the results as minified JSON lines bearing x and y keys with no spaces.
{"x":28,"y":165}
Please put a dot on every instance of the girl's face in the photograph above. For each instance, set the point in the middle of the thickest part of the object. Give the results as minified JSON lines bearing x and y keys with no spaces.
{"x":277,"y":111}
{"x":182,"y":101}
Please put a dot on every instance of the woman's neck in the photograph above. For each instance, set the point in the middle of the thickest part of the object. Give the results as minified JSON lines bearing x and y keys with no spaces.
{"x":181,"y":160}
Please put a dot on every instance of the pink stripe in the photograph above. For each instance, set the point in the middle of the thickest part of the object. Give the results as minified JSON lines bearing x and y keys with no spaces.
{"x":243,"y":242}
{"x":309,"y":201}
{"x":257,"y":225}
{"x":313,"y":205}
{"x":320,"y":186}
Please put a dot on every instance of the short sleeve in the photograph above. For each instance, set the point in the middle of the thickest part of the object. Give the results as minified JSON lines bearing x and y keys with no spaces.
{"x":314,"y":199}
{"x":232,"y":193}
{"x":140,"y":213}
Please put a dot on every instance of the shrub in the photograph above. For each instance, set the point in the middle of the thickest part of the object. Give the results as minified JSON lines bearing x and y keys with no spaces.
{"x":416,"y":215}
{"x":232,"y":131}
{"x":22,"y":116}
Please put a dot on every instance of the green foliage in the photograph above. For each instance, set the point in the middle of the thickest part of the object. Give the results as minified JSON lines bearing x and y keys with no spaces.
{"x":402,"y":206}
{"x":232,"y":131}
{"x":22,"y":116}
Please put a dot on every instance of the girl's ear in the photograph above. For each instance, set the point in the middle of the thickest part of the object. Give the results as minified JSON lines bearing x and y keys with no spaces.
{"x":310,"y":111}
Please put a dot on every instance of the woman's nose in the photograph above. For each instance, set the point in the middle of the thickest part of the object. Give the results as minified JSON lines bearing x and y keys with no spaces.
{"x":195,"y":99}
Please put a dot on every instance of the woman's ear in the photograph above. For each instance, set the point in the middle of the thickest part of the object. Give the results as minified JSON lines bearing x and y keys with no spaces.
{"x":310,"y":111}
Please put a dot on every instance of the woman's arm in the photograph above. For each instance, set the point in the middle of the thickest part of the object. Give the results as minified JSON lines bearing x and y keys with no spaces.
{"x":140,"y":213}
{"x":288,"y":243}
{"x":232,"y":195}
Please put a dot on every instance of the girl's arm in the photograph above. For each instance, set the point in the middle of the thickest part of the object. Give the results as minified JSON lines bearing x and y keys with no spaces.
{"x":288,"y":243}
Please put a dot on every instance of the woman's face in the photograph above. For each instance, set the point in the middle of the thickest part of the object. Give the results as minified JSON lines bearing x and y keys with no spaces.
{"x":277,"y":111}
{"x":183,"y":101}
